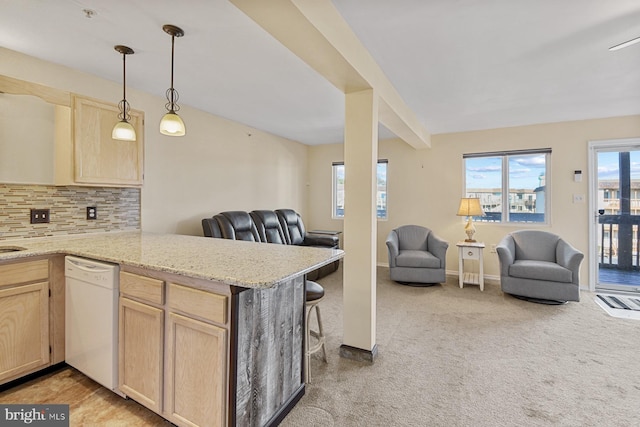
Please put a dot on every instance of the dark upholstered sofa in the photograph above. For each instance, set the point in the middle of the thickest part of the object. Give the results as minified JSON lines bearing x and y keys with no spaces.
{"x":282,"y":226}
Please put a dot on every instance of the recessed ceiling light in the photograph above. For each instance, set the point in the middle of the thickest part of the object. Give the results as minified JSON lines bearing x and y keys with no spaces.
{"x":625,"y":44}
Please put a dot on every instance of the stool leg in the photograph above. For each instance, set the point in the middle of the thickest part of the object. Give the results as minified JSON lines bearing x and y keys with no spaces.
{"x":307,"y":355}
{"x":321,"y":334}
{"x":318,"y":335}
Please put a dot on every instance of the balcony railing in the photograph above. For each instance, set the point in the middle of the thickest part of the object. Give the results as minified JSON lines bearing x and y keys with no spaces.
{"x":619,"y":243}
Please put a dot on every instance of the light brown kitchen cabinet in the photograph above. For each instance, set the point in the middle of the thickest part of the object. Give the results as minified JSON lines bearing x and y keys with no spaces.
{"x":140,"y":340}
{"x":173,"y":355}
{"x":24,"y":318}
{"x":94,"y":158}
{"x":196,"y":351}
{"x":84,"y":153}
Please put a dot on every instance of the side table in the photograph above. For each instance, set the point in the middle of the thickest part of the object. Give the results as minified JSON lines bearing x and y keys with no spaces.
{"x":470,"y":251}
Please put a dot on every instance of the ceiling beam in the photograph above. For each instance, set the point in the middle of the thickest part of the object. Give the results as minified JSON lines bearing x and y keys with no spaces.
{"x":315,"y":31}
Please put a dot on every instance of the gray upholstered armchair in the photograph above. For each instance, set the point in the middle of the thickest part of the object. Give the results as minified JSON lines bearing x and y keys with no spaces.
{"x":539,"y":266}
{"x":416,"y":256}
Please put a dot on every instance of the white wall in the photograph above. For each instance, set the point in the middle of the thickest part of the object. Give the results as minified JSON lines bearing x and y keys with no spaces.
{"x":219,"y":165}
{"x":424,"y":187}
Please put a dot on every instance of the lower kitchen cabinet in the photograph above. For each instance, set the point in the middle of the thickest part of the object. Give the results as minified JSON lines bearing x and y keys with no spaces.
{"x":173,"y":352}
{"x":196,"y":372}
{"x":140,"y":364}
{"x":24,"y":318}
{"x":24,"y":329}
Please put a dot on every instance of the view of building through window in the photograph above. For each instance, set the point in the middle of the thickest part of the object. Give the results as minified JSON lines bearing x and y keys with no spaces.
{"x":511,"y":186}
{"x":338,"y":190}
{"x":609,"y":182}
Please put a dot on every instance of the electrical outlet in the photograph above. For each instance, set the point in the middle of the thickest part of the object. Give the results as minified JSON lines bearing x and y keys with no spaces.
{"x":92,"y":212}
{"x":39,"y":216}
{"x":493,"y":249}
{"x":578,"y":198}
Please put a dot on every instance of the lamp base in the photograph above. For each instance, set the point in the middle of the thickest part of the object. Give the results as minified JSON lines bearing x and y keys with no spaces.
{"x":469,"y":230}
{"x":470,"y":240}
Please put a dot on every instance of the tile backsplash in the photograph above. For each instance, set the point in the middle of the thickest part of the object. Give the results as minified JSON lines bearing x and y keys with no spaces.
{"x":118,"y":209}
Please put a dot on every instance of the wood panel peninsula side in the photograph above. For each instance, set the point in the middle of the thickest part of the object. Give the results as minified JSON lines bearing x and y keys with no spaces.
{"x":210,"y":330}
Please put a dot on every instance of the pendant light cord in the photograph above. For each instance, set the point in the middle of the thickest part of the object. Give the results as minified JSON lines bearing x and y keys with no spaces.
{"x":124,"y":104}
{"x":124,"y":76}
{"x":173,"y":43}
{"x":172,"y":94}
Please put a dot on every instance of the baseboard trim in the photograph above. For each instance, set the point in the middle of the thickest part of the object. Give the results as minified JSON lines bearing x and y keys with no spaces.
{"x":32,"y":376}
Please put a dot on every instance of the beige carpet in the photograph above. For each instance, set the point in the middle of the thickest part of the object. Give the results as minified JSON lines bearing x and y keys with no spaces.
{"x":461,"y":357}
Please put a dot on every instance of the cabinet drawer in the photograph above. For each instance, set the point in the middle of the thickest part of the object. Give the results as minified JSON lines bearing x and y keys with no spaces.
{"x":142,"y":287}
{"x":199,"y":303}
{"x":471,"y":253}
{"x":24,"y":272}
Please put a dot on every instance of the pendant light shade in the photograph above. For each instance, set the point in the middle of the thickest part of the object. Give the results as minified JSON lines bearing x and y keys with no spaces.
{"x":171,"y":124}
{"x":123,"y":130}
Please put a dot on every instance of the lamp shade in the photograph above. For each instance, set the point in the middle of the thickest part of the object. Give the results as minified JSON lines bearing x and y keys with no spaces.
{"x":124,"y":131}
{"x":172,"y":125}
{"x":470,"y":206}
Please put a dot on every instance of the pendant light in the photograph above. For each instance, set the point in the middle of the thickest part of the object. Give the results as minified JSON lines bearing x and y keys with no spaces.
{"x":171,"y":124}
{"x":123,"y":130}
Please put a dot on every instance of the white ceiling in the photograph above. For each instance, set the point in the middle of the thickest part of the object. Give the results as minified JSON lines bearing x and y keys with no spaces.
{"x":459,"y":64}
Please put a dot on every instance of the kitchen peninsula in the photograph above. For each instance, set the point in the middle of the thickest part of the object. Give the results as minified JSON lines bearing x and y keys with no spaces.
{"x":211,"y":330}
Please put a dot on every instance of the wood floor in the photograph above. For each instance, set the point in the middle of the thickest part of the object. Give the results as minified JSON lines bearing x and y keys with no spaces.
{"x":90,"y":404}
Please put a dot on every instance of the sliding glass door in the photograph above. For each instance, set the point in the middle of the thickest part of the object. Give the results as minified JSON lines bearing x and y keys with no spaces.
{"x":616,"y":224}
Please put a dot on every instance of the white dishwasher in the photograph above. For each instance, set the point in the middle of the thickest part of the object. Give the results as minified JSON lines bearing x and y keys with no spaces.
{"x":91,"y":319}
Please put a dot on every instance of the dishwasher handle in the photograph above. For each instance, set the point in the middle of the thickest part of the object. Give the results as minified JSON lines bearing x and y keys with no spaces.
{"x":90,"y":267}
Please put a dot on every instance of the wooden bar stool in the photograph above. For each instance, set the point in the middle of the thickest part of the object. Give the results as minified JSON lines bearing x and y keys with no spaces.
{"x":315,"y":294}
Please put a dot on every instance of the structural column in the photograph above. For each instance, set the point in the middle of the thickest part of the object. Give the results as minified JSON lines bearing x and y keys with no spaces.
{"x":360,"y":226}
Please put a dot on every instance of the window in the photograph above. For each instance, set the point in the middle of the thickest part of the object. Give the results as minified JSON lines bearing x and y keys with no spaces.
{"x":338,"y":190}
{"x":511,"y":185}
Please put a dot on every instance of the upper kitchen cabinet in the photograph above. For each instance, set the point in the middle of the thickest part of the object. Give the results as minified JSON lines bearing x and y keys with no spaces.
{"x":39,"y":123}
{"x":27,"y":131}
{"x":96,"y":158}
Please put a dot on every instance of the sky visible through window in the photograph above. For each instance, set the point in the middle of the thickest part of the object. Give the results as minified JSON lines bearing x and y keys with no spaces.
{"x":524,"y":171}
{"x":609,"y":166}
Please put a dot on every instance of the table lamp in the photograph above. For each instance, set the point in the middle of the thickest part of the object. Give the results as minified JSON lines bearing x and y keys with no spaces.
{"x":470,"y":207}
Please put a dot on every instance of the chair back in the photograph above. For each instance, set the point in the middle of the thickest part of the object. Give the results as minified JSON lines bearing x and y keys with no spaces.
{"x":535,"y":245}
{"x":292,"y":226}
{"x":237,"y":225}
{"x":269,"y":228}
{"x":211,"y":228}
{"x":412,"y":237}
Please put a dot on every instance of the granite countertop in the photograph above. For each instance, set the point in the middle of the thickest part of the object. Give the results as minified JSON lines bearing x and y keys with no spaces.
{"x":240,"y":263}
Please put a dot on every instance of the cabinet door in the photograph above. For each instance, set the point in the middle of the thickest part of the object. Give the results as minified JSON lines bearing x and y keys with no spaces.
{"x":24,"y":329}
{"x":140,"y":349}
{"x":99,"y":159}
{"x":196,"y":372}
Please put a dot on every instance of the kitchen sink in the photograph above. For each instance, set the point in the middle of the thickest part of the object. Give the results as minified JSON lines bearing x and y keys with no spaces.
{"x":5,"y":249}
